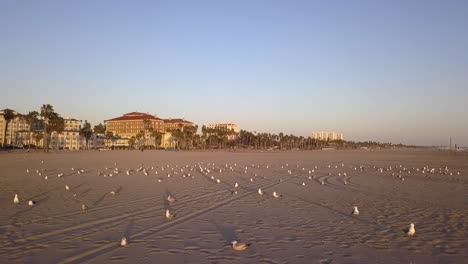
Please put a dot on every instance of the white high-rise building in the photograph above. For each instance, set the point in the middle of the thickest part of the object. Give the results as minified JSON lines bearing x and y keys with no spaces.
{"x":225,"y":126}
{"x":327,"y":136}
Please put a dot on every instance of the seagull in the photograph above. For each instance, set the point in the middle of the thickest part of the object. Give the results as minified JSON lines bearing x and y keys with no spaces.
{"x":169,"y":215}
{"x":112,"y":192}
{"x":411,"y":230}
{"x":355,"y":210}
{"x":322,"y":182}
{"x":27,"y":170}
{"x":67,"y":188}
{"x":60,"y":175}
{"x":31,"y":203}
{"x":84,"y":207}
{"x":236,"y":185}
{"x":276,"y":195}
{"x":218,"y":181}
{"x":303,"y":183}
{"x":171,"y":199}
{"x":45,"y":178}
{"x":239,"y":246}
{"x":251,"y":180}
{"x":260,"y":191}
{"x":123,"y":241}
{"x":16,"y":199}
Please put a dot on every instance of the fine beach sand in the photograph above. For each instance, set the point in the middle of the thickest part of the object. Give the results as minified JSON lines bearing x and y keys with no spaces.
{"x":308,"y":224}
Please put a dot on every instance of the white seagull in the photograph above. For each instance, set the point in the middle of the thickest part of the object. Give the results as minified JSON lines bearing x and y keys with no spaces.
{"x":31,"y":203}
{"x":67,"y":188}
{"x":123,"y":241}
{"x":239,"y":246}
{"x":260,"y":191}
{"x":355,"y":210}
{"x":169,"y":215}
{"x":411,"y":230}
{"x":276,"y":195}
{"x":236,"y":185}
{"x":171,"y":199}
{"x":16,"y":199}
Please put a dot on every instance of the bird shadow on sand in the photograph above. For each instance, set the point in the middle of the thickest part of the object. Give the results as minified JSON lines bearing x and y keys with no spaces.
{"x":98,"y":201}
{"x":228,"y":233}
{"x":85,"y":192}
{"x":39,"y":202}
{"x":128,"y":230}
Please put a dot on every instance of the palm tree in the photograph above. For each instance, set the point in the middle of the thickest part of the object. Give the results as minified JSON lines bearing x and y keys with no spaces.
{"x":46,"y":113}
{"x":109,"y":136}
{"x":100,"y":129}
{"x":55,"y":124}
{"x":148,"y":128}
{"x":86,"y":132}
{"x":38,"y":135}
{"x":31,"y":118}
{"x":8,"y":115}
{"x":157,"y":137}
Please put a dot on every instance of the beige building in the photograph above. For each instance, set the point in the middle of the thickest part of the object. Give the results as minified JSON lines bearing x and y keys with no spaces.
{"x":175,"y":123}
{"x":327,"y":136}
{"x":224,"y":125}
{"x":70,"y":138}
{"x":130,"y":124}
{"x":17,"y":132}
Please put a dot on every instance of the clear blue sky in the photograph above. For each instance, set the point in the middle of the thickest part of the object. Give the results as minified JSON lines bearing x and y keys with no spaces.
{"x":392,"y":71}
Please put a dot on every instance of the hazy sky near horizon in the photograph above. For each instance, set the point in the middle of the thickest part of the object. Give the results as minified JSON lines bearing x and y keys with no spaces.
{"x":391,"y":71}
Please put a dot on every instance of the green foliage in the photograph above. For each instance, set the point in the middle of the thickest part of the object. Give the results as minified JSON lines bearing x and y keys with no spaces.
{"x":86,"y":132}
{"x":100,"y":129}
{"x":8,"y":115}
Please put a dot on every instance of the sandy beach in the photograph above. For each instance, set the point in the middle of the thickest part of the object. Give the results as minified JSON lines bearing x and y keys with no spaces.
{"x":311,"y":222}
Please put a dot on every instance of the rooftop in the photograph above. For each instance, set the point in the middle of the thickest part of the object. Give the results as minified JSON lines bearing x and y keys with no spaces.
{"x":135,"y":116}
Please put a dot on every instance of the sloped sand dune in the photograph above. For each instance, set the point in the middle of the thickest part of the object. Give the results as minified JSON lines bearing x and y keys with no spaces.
{"x":308,"y":224}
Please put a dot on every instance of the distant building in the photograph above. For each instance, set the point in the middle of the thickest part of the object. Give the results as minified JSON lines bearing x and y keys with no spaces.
{"x":226,"y":126}
{"x":70,"y":138}
{"x":175,"y":123}
{"x":327,"y":136}
{"x":17,"y":133}
{"x":130,"y":124}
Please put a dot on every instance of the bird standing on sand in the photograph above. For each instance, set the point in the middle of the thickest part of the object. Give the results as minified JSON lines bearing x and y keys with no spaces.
{"x":260,"y":191}
{"x":16,"y":199}
{"x":31,"y":203}
{"x":236,"y":185}
{"x":239,"y":246}
{"x":123,"y":241}
{"x":67,"y":187}
{"x":169,"y":215}
{"x":411,"y":230}
{"x":84,"y":207}
{"x":171,"y":199}
{"x":276,"y":195}
{"x":355,"y":210}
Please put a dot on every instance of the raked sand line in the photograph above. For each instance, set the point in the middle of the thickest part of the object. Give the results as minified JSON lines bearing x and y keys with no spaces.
{"x":64,"y":231}
{"x":152,"y":231}
{"x":97,"y":208}
{"x":103,"y":221}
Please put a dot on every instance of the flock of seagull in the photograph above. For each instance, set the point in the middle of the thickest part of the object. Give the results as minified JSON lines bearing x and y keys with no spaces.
{"x":205,"y":170}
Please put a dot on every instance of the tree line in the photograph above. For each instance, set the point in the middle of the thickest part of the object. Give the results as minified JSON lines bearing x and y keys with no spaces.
{"x":43,"y":123}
